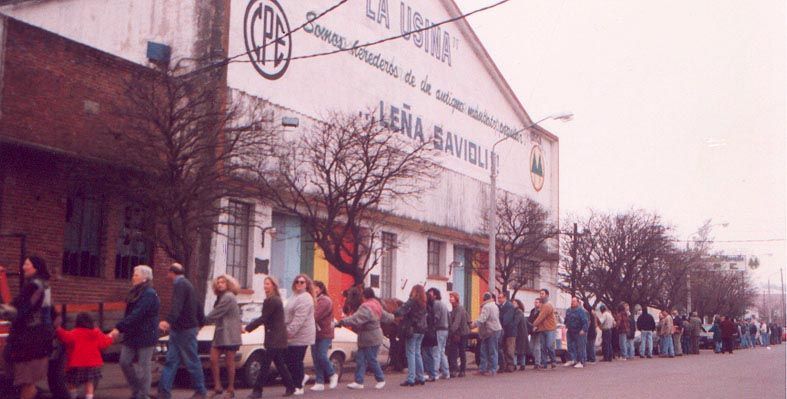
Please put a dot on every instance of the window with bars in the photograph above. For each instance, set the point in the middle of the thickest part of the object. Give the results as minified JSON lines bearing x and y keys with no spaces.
{"x":527,"y":272}
{"x":82,"y":241}
{"x":238,"y":228}
{"x":132,"y":246}
{"x":387,"y":265}
{"x":433,"y":255}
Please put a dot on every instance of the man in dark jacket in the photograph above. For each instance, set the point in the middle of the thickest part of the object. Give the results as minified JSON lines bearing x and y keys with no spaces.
{"x":139,"y":332}
{"x":646,"y":324}
{"x":728,"y":331}
{"x":458,"y":329}
{"x":183,"y":322}
{"x":509,"y":332}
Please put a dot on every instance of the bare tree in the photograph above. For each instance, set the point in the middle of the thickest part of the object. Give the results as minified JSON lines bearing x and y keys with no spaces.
{"x":341,"y":178}
{"x":721,"y":292}
{"x":188,"y":142}
{"x":522,"y":233}
{"x":618,"y":260}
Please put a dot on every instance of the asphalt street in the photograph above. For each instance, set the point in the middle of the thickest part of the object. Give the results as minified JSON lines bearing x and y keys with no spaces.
{"x":756,"y":373}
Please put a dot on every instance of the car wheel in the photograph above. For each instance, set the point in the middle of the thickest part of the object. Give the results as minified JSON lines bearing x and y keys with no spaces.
{"x":251,"y":370}
{"x":337,"y":360}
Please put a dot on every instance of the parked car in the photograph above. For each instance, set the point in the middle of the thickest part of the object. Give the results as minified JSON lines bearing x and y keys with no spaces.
{"x":706,"y":337}
{"x":249,"y":358}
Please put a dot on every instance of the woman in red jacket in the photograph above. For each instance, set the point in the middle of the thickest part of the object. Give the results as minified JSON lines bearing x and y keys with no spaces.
{"x":83,"y":349}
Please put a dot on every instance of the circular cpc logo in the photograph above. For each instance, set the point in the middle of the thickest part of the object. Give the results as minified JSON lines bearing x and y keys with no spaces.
{"x":265,"y":33}
{"x":537,"y":167}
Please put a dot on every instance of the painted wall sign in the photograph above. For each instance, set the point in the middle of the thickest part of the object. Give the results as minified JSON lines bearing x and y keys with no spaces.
{"x":265,"y":34}
{"x":537,"y":167}
{"x":437,"y":84}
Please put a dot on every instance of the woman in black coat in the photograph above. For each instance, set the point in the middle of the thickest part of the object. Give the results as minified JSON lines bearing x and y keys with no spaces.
{"x":522,"y":344}
{"x":413,"y":327}
{"x":29,"y":343}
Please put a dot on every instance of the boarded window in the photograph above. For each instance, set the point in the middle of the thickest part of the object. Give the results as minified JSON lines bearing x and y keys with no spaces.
{"x":239,"y":225}
{"x":82,"y":241}
{"x":387,"y":265}
{"x":133,"y":247}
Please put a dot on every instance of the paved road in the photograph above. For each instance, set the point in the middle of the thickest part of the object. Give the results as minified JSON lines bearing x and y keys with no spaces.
{"x":757,"y":373}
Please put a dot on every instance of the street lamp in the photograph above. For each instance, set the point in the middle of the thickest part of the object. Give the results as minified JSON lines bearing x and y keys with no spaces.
{"x":492,"y":228}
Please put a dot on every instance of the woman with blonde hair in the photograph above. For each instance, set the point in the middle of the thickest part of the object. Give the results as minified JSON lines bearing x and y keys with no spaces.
{"x":275,"y":339}
{"x":301,"y":327}
{"x":413,"y":327}
{"x":226,"y":337}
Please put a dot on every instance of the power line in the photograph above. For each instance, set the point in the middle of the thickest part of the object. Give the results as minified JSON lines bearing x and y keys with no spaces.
{"x":380,"y":41}
{"x":289,"y":33}
{"x":734,"y":241}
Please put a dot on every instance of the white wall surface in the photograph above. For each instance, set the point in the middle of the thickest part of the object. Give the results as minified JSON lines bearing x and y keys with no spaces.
{"x":119,"y":27}
{"x":347,"y":82}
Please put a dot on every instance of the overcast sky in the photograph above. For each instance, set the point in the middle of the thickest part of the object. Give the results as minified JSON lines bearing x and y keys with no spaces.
{"x":681,"y":107}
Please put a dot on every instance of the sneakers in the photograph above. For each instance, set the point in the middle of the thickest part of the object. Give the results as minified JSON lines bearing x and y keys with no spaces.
{"x":298,"y":392}
{"x":333,"y":381}
{"x":578,"y":366}
{"x":318,"y":387}
{"x":569,"y":364}
{"x":355,"y":385}
{"x":379,"y":385}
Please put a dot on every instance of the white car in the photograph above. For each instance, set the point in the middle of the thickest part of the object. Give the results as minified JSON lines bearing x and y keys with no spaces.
{"x":248,"y":359}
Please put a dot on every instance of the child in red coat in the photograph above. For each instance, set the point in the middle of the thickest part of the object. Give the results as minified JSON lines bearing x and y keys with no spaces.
{"x":83,"y":349}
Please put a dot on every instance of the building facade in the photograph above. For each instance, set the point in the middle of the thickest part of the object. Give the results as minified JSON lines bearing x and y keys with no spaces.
{"x":434,"y":83}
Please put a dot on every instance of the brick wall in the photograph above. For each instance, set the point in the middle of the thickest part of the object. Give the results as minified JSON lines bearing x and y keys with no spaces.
{"x":59,"y":94}
{"x":56,"y":110}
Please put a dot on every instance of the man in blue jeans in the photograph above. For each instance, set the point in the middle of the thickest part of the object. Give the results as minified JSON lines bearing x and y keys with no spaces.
{"x":489,"y":331}
{"x":646,"y":325}
{"x":576,"y":334}
{"x":440,"y":313}
{"x":185,"y":317}
{"x":545,"y":324}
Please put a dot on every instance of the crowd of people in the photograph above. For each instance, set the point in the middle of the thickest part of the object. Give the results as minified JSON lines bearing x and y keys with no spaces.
{"x":436,"y":337}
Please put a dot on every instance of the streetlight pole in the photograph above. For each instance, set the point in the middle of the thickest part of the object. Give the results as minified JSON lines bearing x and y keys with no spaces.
{"x":492,"y":225}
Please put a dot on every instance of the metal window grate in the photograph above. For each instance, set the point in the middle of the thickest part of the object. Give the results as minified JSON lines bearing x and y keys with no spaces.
{"x":239,"y":225}
{"x":82,"y":241}
{"x":387,"y":265}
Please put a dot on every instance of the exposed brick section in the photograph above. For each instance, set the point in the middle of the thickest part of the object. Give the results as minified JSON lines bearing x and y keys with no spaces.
{"x":58,"y":93}
{"x":55,"y":113}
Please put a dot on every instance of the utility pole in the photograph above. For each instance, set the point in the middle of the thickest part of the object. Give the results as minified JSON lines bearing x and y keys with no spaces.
{"x":492,"y":231}
{"x":768,"y":300}
{"x":688,"y":284}
{"x":574,"y":258}
{"x":784,"y":307}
